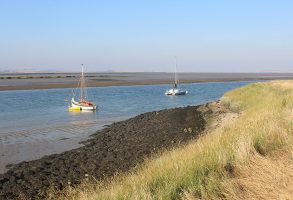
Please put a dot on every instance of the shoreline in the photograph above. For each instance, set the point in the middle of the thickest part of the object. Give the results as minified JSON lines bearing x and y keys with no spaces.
{"x":127,"y":83}
{"x":32,"y":144}
{"x":118,"y":147}
{"x":70,"y":80}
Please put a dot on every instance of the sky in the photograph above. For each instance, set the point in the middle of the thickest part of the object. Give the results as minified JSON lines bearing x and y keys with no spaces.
{"x":146,"y":35}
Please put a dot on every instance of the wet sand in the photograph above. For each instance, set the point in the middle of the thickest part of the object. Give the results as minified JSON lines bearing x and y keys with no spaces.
{"x":26,"y":145}
{"x":33,"y":81}
{"x":119,"y":147}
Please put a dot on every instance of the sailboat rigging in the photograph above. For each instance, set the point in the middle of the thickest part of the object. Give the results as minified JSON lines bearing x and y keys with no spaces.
{"x":176,"y":90}
{"x":82,"y":103}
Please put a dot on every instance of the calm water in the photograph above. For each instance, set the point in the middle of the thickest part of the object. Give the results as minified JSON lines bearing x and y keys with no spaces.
{"x":34,"y":111}
{"x":34,"y":123}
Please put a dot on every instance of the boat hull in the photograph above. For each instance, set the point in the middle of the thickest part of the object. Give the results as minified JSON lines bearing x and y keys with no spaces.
{"x":79,"y":108}
{"x":75,"y":106}
{"x":175,"y":92}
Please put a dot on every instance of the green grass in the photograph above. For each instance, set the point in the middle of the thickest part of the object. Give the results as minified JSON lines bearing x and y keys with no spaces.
{"x":202,"y":169}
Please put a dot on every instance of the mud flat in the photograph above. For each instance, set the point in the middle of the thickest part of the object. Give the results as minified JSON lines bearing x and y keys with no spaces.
{"x":117,"y":148}
{"x":69,"y":80}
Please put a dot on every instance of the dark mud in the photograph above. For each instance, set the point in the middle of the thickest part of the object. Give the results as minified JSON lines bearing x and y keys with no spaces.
{"x":119,"y":147}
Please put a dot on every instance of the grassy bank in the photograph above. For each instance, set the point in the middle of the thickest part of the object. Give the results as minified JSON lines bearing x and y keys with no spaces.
{"x":220,"y":164}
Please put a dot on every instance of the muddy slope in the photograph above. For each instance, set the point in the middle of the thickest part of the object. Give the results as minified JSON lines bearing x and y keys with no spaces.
{"x":118,"y":147}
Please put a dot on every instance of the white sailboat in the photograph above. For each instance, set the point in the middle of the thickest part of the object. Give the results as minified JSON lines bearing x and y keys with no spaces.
{"x":82,"y":103}
{"x":176,"y":90}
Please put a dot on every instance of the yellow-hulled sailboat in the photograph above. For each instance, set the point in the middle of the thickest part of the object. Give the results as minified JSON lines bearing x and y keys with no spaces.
{"x":82,"y":103}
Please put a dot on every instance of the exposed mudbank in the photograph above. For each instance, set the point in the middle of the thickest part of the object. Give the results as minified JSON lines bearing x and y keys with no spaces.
{"x":68,"y":80}
{"x":119,"y":147}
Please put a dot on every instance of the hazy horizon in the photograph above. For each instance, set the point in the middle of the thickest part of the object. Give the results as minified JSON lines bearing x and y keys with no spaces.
{"x":144,"y":36}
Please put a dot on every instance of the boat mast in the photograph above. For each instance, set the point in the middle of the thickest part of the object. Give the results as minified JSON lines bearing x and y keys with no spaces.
{"x":176,"y":77}
{"x":81,"y":84}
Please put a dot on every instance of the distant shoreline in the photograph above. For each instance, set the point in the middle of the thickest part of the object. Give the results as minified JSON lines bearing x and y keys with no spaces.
{"x":51,"y":81}
{"x":122,"y":83}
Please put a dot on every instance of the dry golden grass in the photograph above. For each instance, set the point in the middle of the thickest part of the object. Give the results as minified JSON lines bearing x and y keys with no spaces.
{"x":238,"y":160}
{"x":269,"y":177}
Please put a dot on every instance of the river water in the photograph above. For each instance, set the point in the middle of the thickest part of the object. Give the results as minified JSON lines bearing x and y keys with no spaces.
{"x":34,"y":123}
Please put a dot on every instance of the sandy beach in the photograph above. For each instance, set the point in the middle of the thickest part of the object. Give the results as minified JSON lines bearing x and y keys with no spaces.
{"x":119,"y":147}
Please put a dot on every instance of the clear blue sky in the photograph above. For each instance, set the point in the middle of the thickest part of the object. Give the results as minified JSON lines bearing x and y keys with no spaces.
{"x":206,"y":36}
